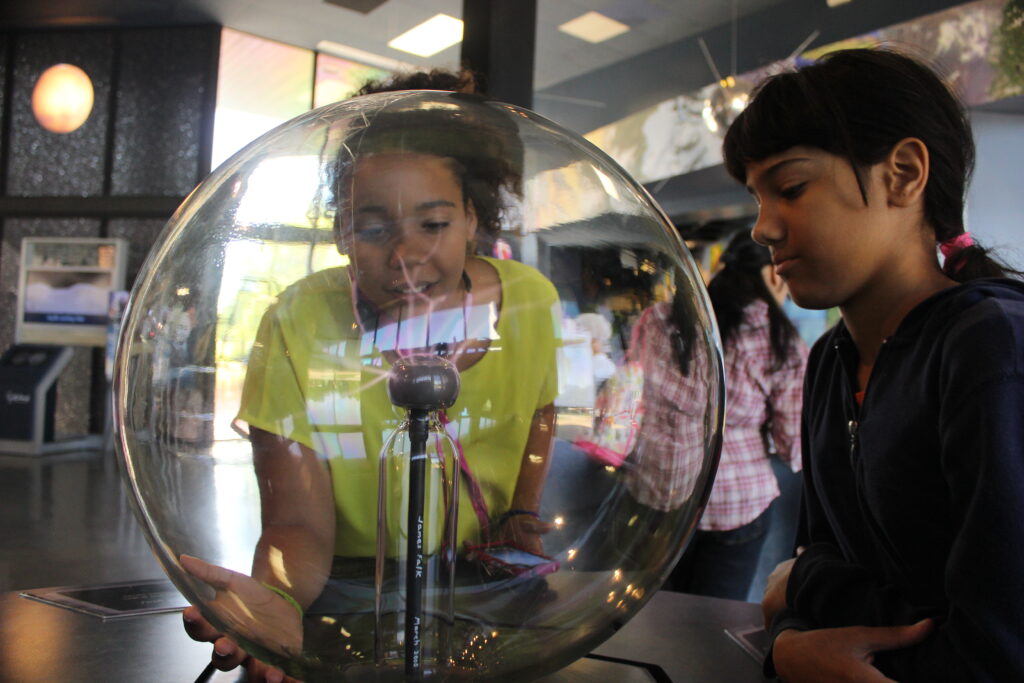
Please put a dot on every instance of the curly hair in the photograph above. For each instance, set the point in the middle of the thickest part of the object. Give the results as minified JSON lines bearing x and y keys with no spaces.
{"x":485,"y":153}
{"x":463,"y":81}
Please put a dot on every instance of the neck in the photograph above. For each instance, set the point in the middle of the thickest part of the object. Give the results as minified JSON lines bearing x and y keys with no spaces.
{"x":874,"y":314}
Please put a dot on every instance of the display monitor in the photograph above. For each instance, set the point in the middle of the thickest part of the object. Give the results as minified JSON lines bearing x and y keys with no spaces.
{"x":64,"y":289}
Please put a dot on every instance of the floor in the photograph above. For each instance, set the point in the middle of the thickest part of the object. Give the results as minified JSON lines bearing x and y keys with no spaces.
{"x":66,"y":520}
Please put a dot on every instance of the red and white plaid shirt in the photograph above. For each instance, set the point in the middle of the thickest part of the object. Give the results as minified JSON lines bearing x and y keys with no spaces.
{"x":672,"y":433}
{"x":745,"y":485}
{"x":673,"y":436}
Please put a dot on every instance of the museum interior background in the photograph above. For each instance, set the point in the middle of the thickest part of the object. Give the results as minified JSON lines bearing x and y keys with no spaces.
{"x":180,"y":85}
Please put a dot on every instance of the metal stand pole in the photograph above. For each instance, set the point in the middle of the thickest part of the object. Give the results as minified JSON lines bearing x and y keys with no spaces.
{"x":414,"y":571}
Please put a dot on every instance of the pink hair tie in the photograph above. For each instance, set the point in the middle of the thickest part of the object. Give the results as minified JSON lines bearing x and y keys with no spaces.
{"x":952,"y":247}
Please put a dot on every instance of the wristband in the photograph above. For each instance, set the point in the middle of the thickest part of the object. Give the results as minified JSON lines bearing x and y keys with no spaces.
{"x":514,"y":512}
{"x":287,"y":597}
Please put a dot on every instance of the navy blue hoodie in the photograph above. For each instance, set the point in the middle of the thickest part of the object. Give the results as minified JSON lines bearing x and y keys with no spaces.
{"x":915,"y":500}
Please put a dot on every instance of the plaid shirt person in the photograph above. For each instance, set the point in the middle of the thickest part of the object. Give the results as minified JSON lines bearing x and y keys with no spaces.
{"x":756,"y":395}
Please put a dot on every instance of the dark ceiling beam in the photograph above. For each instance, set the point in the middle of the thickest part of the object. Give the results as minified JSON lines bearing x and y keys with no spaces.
{"x":361,"y":6}
{"x":105,"y":13}
{"x":89,"y":207}
{"x":499,"y":40}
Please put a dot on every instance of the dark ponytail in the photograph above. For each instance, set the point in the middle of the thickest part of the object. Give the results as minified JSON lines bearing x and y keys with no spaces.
{"x":739,"y":283}
{"x":857,"y":104}
{"x":974,"y":261}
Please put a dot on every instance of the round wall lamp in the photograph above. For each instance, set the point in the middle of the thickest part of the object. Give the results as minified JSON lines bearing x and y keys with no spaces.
{"x":62,"y":98}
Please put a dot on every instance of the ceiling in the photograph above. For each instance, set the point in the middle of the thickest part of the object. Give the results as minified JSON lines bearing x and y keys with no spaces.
{"x":306,"y":22}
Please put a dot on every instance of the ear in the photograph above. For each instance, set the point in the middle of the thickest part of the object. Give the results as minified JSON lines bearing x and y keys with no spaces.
{"x":471,"y":223}
{"x":906,"y":172}
{"x":342,"y":237}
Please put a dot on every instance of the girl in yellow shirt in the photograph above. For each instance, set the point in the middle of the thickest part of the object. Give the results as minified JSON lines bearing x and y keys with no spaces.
{"x":418,"y":193}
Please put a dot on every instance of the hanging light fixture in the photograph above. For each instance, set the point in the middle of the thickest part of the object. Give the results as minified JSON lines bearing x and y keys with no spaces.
{"x":732,"y":94}
{"x":62,"y":98}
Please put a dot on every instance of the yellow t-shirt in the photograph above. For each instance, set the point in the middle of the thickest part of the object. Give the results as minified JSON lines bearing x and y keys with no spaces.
{"x":317,"y":377}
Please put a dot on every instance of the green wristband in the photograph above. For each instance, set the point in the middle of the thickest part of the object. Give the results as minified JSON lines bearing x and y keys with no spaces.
{"x":288,"y":598}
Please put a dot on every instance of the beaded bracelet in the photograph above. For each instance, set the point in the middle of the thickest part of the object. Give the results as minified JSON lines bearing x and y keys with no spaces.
{"x":287,"y":597}
{"x":514,"y":512}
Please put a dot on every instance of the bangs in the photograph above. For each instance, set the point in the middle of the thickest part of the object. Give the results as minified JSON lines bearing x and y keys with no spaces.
{"x":786,"y":110}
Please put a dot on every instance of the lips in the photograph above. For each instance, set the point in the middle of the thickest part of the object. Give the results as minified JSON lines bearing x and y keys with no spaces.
{"x":783,"y":265}
{"x":409,"y":288}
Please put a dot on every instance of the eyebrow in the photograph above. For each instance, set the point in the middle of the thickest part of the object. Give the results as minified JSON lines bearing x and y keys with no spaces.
{"x":434,"y":204}
{"x":775,"y":168}
{"x":422,"y":206}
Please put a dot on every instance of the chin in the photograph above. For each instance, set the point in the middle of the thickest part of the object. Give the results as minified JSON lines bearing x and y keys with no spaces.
{"x":814,"y":301}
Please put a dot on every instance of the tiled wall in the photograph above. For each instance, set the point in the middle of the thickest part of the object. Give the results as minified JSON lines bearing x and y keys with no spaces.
{"x":145,"y":145}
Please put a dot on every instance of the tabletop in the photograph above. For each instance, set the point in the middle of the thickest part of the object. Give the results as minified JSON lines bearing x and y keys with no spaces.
{"x":675,"y":637}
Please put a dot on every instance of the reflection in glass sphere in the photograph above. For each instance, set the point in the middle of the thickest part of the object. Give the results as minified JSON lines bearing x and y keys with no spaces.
{"x":528,"y":493}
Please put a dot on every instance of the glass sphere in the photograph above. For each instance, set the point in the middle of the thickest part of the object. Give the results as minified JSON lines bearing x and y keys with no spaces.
{"x":528,"y":493}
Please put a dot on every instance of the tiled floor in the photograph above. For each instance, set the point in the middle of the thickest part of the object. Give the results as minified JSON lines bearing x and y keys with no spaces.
{"x":66,"y":520}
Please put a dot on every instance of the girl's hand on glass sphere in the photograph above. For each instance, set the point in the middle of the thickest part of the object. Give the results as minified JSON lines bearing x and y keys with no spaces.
{"x":257,"y":613}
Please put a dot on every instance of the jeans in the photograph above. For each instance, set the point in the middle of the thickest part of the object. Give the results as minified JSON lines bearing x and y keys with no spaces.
{"x":720,"y":564}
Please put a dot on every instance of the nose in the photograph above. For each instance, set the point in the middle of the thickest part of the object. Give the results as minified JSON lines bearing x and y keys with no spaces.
{"x":768,"y":229}
{"x":409,"y":249}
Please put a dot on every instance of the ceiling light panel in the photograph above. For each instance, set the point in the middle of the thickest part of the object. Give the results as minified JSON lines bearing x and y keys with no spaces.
{"x":593,"y":27}
{"x":433,"y":35}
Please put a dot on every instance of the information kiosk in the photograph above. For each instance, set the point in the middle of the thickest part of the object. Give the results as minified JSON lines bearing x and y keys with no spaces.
{"x":64,"y":291}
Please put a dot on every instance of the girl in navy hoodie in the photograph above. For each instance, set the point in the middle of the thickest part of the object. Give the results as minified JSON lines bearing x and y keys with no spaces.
{"x":913,"y":419}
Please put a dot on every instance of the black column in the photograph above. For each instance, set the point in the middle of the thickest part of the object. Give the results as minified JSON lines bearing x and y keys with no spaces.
{"x":499,"y":38}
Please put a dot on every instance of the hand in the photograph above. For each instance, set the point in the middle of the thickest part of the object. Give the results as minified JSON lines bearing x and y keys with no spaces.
{"x":774,"y":599}
{"x":841,"y":654}
{"x":523,"y":531}
{"x":226,"y":653}
{"x":254,"y":611}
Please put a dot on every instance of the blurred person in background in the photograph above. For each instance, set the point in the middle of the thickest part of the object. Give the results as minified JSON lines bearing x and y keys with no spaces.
{"x":764,"y":366}
{"x":600,"y":332}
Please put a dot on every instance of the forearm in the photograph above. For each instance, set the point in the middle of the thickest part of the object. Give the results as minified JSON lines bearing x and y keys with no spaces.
{"x":829,"y":591}
{"x":536,"y":461}
{"x":294,"y":559}
{"x":296,"y":547}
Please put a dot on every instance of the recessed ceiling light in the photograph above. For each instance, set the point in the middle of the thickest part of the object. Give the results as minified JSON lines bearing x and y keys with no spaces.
{"x":433,"y":35}
{"x":836,"y":3}
{"x":593,"y":27}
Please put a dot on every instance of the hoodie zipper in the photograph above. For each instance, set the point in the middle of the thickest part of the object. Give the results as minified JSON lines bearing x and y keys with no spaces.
{"x":853,"y":425}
